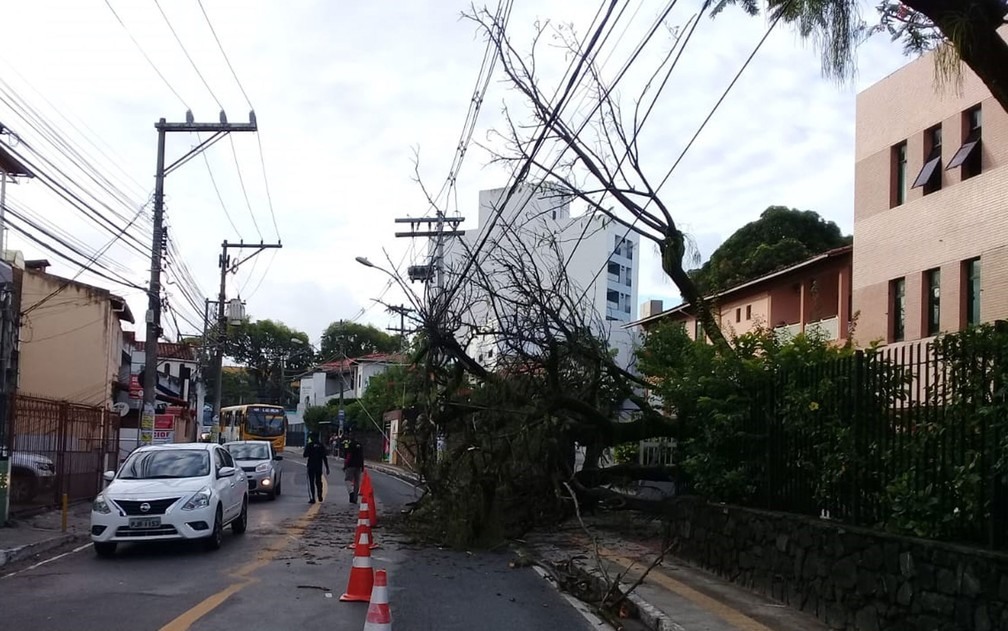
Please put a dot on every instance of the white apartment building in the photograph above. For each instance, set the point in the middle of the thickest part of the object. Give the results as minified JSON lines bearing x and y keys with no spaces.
{"x":602,"y":261}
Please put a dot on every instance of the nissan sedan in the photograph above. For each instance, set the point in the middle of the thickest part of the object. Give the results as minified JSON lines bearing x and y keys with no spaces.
{"x":166,"y":492}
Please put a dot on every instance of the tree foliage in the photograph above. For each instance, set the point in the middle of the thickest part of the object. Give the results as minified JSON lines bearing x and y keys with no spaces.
{"x":272,"y":352}
{"x":238,"y":386}
{"x":780,"y":237}
{"x":352,"y":339}
{"x":958,"y":30}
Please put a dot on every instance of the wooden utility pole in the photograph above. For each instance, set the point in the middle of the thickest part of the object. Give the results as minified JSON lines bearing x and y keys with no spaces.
{"x":153,"y":315}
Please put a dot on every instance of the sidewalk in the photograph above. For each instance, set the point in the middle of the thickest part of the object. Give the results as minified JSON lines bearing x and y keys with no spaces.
{"x":674,"y":596}
{"x":38,"y":534}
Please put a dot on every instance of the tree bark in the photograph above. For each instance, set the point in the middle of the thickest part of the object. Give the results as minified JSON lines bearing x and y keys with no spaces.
{"x":981,"y":46}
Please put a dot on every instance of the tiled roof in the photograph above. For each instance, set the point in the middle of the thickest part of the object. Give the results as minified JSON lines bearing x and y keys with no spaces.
{"x":171,"y":350}
{"x":344,"y":364}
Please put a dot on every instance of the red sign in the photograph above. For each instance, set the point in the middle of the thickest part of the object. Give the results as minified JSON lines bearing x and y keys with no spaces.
{"x":164,"y":421}
{"x":135,"y":389}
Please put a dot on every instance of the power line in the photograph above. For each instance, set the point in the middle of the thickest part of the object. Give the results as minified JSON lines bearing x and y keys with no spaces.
{"x":142,"y":52}
{"x":221,"y":47}
{"x":188,"y":56}
{"x":241,"y":180}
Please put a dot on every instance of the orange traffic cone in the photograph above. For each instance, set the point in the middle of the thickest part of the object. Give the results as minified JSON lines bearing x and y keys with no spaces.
{"x":368,"y":492}
{"x":363,"y":525}
{"x":361,"y":573}
{"x":379,"y":617}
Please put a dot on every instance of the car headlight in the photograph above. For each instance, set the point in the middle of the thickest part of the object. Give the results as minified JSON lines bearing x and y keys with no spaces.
{"x":200,"y":499}
{"x":101,"y":506}
{"x":261,"y":467}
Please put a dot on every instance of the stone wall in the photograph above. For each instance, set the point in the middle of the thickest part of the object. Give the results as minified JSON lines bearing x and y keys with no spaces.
{"x":850,"y":578}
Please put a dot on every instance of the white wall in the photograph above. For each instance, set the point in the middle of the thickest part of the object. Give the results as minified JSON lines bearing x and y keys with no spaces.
{"x":537,"y":221}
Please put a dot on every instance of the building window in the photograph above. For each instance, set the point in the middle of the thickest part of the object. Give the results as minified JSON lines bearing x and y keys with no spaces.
{"x":698,"y":332}
{"x":738,"y":314}
{"x":899,"y":174}
{"x":897,"y":309}
{"x":930,"y":176}
{"x":969,"y":157}
{"x":932,"y":301}
{"x":971,"y":278}
{"x":748,"y":312}
{"x":614,"y":268}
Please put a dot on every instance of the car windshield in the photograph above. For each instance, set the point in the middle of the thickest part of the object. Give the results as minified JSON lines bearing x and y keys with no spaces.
{"x":265,"y":422}
{"x":249,"y":451}
{"x":166,"y":463}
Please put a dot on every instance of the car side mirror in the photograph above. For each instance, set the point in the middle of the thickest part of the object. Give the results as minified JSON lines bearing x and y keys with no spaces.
{"x":226,"y":472}
{"x":109,"y":476}
{"x":278,"y":457}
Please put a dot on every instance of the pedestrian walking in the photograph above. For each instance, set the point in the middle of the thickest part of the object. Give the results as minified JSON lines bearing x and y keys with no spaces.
{"x":315,"y":454}
{"x":353,"y":465}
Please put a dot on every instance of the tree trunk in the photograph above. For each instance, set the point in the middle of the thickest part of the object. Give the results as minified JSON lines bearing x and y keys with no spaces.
{"x":981,"y":47}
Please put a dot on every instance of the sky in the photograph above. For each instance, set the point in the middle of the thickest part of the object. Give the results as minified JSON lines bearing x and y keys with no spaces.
{"x":355,"y":101}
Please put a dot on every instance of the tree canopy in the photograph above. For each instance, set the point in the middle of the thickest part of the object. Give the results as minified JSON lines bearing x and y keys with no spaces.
{"x":958,"y":30}
{"x":351,"y":339}
{"x":272,"y":352}
{"x":780,"y":237}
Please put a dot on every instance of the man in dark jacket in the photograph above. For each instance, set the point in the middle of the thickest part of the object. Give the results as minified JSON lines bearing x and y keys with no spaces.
{"x":353,"y":465}
{"x":315,"y":454}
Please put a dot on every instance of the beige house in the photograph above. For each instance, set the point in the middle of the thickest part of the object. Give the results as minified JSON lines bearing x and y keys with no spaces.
{"x":812,"y":295}
{"x":71,"y":338}
{"x":930,"y":217}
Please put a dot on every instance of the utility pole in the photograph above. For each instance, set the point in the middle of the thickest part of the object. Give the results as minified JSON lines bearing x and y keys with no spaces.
{"x":153,"y":316}
{"x":402,"y":310}
{"x":435,"y":229}
{"x":225,"y":267}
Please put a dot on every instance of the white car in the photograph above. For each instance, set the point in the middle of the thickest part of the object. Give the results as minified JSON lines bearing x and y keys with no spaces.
{"x":175,"y":491}
{"x":261,"y":464}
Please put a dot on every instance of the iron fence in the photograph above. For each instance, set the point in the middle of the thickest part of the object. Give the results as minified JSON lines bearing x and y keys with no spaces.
{"x":911,"y":439}
{"x":58,"y":448}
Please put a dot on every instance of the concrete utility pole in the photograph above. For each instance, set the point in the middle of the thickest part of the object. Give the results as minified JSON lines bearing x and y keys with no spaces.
{"x":402,"y":310}
{"x":435,"y":229}
{"x":153,"y":316}
{"x":225,"y":267}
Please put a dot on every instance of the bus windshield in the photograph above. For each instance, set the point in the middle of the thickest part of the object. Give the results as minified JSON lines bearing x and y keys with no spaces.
{"x":265,"y":422}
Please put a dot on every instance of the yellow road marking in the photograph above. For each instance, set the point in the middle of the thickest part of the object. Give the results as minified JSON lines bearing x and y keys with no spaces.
{"x":243,"y":572}
{"x":705,"y":602}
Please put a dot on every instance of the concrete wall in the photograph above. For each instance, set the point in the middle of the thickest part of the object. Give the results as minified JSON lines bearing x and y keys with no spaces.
{"x":71,"y":346}
{"x":850,"y":578}
{"x":965,"y":219}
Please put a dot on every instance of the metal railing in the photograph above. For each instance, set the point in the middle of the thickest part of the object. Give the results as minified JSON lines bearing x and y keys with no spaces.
{"x":58,"y":448}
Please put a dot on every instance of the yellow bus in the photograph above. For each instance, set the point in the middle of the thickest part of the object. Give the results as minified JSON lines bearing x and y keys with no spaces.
{"x":255,"y":421}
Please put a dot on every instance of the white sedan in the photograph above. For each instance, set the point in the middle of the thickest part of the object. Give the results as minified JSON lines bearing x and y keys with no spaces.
{"x":176,"y":491}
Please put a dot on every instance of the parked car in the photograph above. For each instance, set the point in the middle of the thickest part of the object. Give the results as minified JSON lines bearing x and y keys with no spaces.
{"x":174,"y":491}
{"x":31,"y":474}
{"x":261,"y":464}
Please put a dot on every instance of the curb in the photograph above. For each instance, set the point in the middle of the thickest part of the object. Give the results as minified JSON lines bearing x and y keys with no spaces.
{"x":405,"y":476}
{"x":653,"y":618}
{"x":11,"y":555}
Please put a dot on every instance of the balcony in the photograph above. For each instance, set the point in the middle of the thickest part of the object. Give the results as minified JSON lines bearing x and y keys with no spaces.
{"x":828,"y":328}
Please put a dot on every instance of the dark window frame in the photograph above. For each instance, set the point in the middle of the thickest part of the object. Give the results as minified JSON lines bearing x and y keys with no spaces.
{"x":930,"y":176}
{"x":897,"y":309}
{"x":898,"y":183}
{"x":969,"y":157}
{"x":748,"y":312}
{"x":932,"y":301}
{"x":972,"y":274}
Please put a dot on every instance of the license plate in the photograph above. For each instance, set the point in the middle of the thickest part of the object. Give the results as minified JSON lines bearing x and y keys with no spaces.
{"x":141,"y":523}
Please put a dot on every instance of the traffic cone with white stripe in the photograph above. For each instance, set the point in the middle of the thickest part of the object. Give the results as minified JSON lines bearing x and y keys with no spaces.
{"x":363,"y":525}
{"x":379,"y":616}
{"x":361,"y":573}
{"x":368,"y":491}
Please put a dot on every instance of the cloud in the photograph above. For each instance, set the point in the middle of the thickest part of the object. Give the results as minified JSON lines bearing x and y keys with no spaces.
{"x":345,"y":92}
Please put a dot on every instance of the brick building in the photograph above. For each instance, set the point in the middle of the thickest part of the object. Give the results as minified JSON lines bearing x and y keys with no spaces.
{"x":930,"y":215}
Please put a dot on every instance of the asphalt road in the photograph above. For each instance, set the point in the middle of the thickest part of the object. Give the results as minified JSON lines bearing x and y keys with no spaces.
{"x":286,"y":572}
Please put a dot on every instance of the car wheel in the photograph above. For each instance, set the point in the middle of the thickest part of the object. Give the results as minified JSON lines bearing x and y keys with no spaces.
{"x":240,"y":524}
{"x":23,"y":487}
{"x":279,"y":485}
{"x":105,"y":549}
{"x":273,"y":492}
{"x":216,"y":538}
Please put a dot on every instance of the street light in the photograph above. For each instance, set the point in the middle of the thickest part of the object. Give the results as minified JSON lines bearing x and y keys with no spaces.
{"x":364,"y":261}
